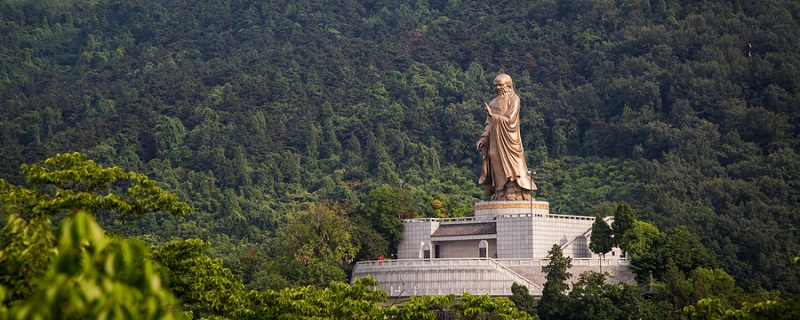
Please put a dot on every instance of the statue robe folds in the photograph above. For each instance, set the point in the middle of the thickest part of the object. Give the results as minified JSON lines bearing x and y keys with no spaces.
{"x":503,"y":157}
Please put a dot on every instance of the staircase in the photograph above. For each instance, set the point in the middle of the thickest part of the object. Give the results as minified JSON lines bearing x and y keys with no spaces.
{"x":409,"y":277}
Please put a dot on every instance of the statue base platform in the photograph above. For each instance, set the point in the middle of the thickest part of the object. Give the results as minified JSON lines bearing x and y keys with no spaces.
{"x":491,"y":209}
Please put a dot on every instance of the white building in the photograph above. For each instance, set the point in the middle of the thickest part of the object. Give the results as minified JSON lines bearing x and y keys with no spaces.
{"x":505,"y":242}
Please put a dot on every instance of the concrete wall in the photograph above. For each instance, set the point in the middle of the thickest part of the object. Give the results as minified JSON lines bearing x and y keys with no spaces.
{"x":415,"y":233}
{"x":463,"y":248}
{"x":515,"y":237}
{"x":558,"y":229}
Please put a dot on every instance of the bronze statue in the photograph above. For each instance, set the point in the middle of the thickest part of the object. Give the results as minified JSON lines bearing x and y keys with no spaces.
{"x":504,"y":172}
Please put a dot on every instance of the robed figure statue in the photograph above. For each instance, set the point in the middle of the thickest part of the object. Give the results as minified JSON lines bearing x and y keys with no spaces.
{"x":504,"y":173}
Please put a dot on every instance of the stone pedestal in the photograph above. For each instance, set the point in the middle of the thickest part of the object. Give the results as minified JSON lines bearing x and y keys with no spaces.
{"x":491,"y":209}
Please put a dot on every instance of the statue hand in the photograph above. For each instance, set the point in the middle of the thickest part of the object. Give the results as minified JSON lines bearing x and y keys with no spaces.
{"x":479,"y":145}
{"x":488,"y":110}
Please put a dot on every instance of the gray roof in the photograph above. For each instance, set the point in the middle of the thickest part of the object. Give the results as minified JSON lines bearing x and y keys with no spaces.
{"x":465,"y":229}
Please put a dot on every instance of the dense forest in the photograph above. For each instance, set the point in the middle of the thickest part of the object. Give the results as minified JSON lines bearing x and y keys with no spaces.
{"x":299,"y":131}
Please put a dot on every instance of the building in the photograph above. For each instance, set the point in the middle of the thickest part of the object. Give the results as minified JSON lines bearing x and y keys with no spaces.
{"x":505,"y":242}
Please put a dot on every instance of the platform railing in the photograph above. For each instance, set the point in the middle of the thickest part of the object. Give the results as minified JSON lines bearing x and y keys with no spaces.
{"x":538,"y":262}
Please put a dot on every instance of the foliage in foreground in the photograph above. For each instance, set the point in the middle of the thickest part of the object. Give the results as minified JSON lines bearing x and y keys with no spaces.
{"x":65,"y":185}
{"x":94,"y":276}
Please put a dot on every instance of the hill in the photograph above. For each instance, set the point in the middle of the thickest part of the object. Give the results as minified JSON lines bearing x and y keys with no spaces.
{"x":687,"y":110}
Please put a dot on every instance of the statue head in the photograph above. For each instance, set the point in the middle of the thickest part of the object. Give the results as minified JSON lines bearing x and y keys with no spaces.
{"x":502,"y":84}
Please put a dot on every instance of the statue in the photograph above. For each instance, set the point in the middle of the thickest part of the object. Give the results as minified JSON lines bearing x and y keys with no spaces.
{"x":504,"y":172}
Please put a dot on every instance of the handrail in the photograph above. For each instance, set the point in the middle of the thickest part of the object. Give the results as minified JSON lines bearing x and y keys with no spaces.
{"x":517,"y":215}
{"x":448,"y":220}
{"x":564,"y":246}
{"x":540,"y":215}
{"x":503,"y":263}
{"x":514,"y":274}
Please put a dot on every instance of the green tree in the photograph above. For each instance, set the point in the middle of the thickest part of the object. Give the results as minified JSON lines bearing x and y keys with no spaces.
{"x":169,"y":135}
{"x":651,"y":250}
{"x":592,"y":298}
{"x":554,"y":292}
{"x":337,"y":301}
{"x":624,"y":218}
{"x":315,"y":247}
{"x":202,"y":285}
{"x":384,"y":208}
{"x":27,"y":243}
{"x":467,"y":307}
{"x":778,"y":309}
{"x":719,"y":307}
{"x":484,"y":307}
{"x":601,"y":241}
{"x":715,"y":282}
{"x":673,"y":290}
{"x":686,"y":251}
{"x":640,"y":239}
{"x":523,"y":299}
{"x":79,"y":184}
{"x":369,"y":242}
{"x":678,"y":292}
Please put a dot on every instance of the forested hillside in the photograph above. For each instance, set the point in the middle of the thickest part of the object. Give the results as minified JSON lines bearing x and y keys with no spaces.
{"x":251,"y":110}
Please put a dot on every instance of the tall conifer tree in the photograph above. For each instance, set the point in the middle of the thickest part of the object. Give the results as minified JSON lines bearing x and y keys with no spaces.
{"x":554,"y":293}
{"x":623,"y":220}
{"x":601,"y":241}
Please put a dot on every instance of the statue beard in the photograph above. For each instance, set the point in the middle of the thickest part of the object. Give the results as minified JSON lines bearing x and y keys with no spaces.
{"x":502,"y":92}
